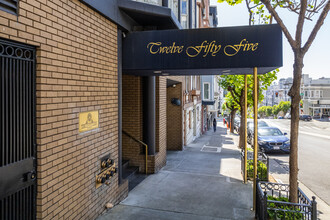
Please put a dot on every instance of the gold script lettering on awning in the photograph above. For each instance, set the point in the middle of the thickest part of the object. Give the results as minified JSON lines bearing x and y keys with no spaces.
{"x":232,"y":50}
{"x":205,"y":48}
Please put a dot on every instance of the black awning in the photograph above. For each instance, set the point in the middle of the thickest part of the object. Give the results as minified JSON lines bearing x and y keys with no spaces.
{"x":205,"y":51}
{"x":150,"y":15}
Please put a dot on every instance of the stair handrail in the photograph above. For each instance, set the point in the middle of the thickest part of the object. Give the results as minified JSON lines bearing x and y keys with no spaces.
{"x":142,"y":143}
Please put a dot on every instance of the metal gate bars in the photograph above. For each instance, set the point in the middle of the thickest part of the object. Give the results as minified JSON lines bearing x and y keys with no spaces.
{"x":18,"y":131}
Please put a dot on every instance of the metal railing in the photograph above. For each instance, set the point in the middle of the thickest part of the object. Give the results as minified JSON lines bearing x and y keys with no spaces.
{"x":272,"y":202}
{"x":142,"y":143}
{"x":262,"y":158}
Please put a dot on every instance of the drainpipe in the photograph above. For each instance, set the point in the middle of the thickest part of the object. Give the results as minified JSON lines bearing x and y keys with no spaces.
{"x":120,"y":85}
{"x":149,"y":113}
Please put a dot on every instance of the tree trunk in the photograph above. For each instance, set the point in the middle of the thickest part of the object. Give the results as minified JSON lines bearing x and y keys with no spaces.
{"x":295,"y":96}
{"x":242,"y":126}
{"x":232,"y":116}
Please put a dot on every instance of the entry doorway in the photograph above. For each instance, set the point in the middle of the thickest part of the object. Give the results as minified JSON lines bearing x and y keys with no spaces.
{"x":18,"y":131}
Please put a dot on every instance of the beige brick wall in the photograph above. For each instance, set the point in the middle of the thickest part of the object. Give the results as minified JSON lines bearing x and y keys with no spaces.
{"x":76,"y":72}
{"x":161,"y":121}
{"x":132,"y":119}
{"x":133,"y":123}
{"x":174,"y":119}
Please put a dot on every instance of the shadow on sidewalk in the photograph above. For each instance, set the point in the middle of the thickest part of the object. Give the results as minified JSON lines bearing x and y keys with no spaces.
{"x":193,"y":185}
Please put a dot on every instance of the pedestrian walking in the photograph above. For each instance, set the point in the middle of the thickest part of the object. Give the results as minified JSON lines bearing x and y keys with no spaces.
{"x":214,"y":125}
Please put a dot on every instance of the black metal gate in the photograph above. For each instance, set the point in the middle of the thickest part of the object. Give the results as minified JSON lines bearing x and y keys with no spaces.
{"x":17,"y":131}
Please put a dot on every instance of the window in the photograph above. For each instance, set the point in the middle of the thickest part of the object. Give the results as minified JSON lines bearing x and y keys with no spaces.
{"x":193,"y":82}
{"x":188,"y":83}
{"x":193,"y":15}
{"x":10,"y":6}
{"x":184,"y":21}
{"x":321,"y":94}
{"x":206,"y":91}
{"x":184,"y":13}
{"x":312,"y":94}
{"x":317,"y":94}
{"x":198,"y":82}
{"x":184,"y":9}
{"x":198,"y":113}
{"x":190,"y":118}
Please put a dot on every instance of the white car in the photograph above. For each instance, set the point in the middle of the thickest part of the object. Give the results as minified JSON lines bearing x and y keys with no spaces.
{"x":287,"y":116}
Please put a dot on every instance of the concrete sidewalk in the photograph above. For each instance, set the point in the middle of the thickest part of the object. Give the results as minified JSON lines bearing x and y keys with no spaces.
{"x":201,"y":182}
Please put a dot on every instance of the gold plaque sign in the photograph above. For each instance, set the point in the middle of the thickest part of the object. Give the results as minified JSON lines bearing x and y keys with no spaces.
{"x":88,"y":121}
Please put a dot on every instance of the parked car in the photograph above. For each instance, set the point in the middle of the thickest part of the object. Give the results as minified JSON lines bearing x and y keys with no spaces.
{"x":271,"y":139}
{"x":287,"y":116}
{"x":280,"y":117}
{"x":305,"y":117}
{"x":250,"y":127}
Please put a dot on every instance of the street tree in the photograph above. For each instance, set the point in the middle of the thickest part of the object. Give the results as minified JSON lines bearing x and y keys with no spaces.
{"x":284,"y":106}
{"x":262,"y":111}
{"x":235,"y":86}
{"x":232,"y":106}
{"x":275,"y":110}
{"x":305,"y":9}
{"x":269,"y":111}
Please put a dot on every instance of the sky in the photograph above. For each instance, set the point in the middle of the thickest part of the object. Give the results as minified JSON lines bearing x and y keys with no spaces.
{"x":317,"y":59}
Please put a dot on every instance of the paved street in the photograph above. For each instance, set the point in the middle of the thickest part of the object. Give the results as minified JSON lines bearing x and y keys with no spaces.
{"x":314,"y":156}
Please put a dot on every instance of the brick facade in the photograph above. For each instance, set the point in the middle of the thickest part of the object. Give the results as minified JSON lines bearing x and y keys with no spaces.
{"x":191,"y":108}
{"x":161,"y":121}
{"x":132,"y":117}
{"x":174,"y":119}
{"x":133,"y":123}
{"x":76,"y":72}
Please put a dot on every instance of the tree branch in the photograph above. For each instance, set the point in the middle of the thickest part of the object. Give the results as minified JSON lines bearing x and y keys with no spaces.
{"x":280,"y":22}
{"x":234,"y":97}
{"x":233,"y":93}
{"x":250,"y":12}
{"x":300,"y":24}
{"x":236,"y":94}
{"x":317,"y":27}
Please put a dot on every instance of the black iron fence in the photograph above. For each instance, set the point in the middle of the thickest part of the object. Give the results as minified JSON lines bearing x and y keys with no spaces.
{"x":272,"y":202}
{"x":263,"y":165}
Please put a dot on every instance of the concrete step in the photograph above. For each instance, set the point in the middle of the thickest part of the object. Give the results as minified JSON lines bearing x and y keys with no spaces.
{"x":129,"y":172}
{"x":125,"y":164}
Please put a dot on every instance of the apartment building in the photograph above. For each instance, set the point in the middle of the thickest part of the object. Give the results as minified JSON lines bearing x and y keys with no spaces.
{"x":69,"y":114}
{"x":316,"y":96}
{"x":77,"y":120}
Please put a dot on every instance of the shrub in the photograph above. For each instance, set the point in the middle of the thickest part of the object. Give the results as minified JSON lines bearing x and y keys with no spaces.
{"x":261,"y":169}
{"x":279,"y":214}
